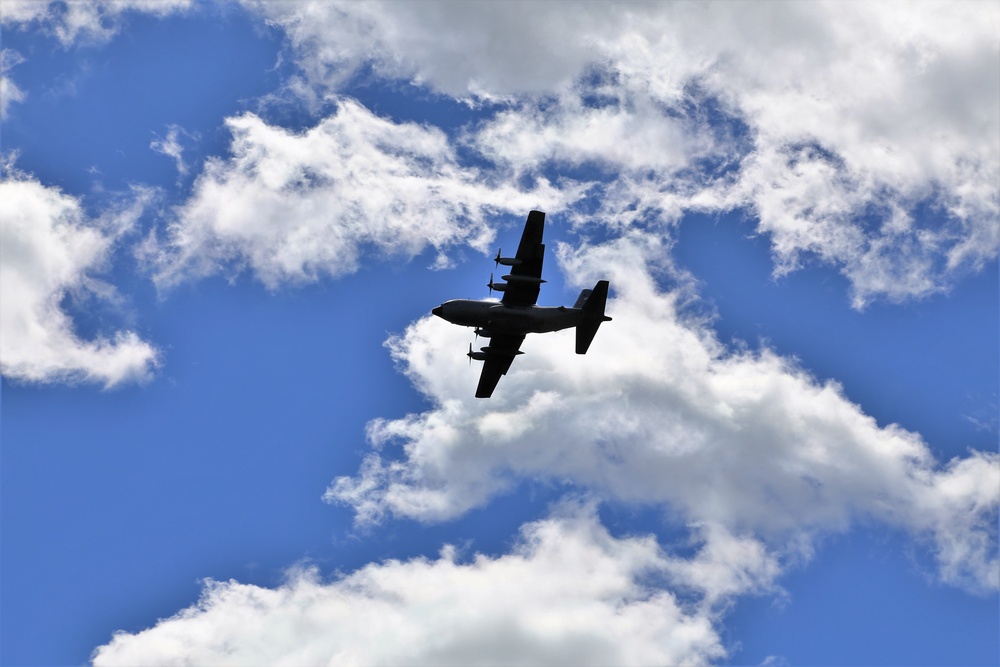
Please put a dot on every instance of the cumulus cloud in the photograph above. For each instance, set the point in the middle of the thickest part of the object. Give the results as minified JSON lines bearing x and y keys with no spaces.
{"x":83,"y":20}
{"x":49,"y":250}
{"x":601,"y":123}
{"x":461,"y":49}
{"x":661,"y":413}
{"x":869,"y":134}
{"x":569,"y":593}
{"x":292,"y":207}
{"x":866,"y":137}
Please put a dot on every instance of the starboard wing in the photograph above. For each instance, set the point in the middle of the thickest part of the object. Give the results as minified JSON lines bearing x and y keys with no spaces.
{"x":526,"y":276}
{"x":499,"y":356}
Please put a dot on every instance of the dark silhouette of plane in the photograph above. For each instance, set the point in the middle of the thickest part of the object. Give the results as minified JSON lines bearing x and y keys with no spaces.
{"x":506,"y":323}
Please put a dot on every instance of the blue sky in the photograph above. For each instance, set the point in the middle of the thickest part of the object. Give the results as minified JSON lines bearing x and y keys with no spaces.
{"x":232,"y":433}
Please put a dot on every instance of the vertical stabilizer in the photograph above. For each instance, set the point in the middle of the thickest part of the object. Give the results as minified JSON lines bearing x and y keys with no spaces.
{"x":593,"y":315}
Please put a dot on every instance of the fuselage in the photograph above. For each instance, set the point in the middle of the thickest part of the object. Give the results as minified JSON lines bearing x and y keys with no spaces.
{"x":491,"y":317}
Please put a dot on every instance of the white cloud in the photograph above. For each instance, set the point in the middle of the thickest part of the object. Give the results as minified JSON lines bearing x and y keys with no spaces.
{"x":569,"y":593}
{"x":628,"y":131}
{"x":49,"y":250}
{"x":871,"y":133}
{"x":9,"y":92}
{"x":875,"y":132}
{"x":659,"y":412}
{"x":84,"y":20}
{"x":461,"y":49}
{"x":171,"y":146}
{"x":872,"y":130}
{"x":293,"y":207}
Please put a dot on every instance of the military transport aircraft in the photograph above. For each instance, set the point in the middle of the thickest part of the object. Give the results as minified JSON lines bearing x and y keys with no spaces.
{"x":506,"y":323}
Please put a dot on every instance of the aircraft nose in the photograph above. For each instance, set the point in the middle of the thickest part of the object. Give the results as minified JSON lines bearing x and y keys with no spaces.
{"x":437,"y":311}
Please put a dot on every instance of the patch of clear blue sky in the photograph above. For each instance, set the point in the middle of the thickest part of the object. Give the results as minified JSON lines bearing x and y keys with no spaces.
{"x":92,"y":111}
{"x":867,"y":598}
{"x":115,"y":504}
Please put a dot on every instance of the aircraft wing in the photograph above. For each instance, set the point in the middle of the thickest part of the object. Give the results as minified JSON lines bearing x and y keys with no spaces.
{"x":499,"y":355}
{"x":525,"y":277}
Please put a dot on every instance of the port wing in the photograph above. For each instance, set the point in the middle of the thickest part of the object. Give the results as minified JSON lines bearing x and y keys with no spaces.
{"x":499,"y":356}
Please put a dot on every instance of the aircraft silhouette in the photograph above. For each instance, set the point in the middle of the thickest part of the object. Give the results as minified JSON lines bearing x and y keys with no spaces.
{"x":507,"y":323}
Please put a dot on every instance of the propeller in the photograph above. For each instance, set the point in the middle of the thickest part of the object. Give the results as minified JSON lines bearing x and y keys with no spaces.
{"x":496,"y":259}
{"x":490,"y":284}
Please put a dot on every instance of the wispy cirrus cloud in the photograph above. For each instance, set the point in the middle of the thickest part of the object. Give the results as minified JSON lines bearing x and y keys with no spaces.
{"x":172,"y":146}
{"x":92,"y":21}
{"x":10,"y":93}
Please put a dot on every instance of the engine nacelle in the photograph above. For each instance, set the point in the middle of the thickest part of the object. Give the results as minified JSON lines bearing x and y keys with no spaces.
{"x":532,"y":280}
{"x":503,"y":352}
{"x":485,"y":333}
{"x":506,"y":261}
{"x":478,"y":356}
{"x":499,"y":287}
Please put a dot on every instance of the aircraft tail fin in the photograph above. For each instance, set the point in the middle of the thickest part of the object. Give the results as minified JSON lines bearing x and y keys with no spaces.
{"x":593,"y":307}
{"x":582,"y":299}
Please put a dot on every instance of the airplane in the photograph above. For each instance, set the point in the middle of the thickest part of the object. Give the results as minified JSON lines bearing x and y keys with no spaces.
{"x":507,"y":323}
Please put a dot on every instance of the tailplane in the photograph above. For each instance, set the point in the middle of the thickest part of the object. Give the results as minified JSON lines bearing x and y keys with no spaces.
{"x":592,"y":303}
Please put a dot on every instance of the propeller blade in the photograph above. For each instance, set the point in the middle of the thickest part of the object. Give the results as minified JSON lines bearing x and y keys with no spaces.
{"x":490,"y":284}
{"x":496,"y":260}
